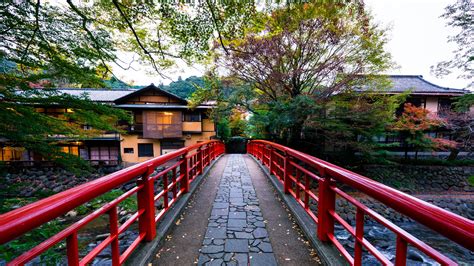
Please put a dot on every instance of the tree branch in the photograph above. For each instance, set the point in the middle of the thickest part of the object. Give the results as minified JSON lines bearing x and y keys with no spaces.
{"x":214,"y":20}
{"x":130,"y":26}
{"x":91,"y":36}
{"x":35,"y":30}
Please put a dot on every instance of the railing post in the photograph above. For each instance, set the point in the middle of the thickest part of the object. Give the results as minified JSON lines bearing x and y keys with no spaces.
{"x":326,"y":204}
{"x":401,"y":252}
{"x":113,"y":220}
{"x":72,"y":249}
{"x":200,"y":159}
{"x":286,"y":175}
{"x":359,"y":237}
{"x":211,"y":149}
{"x":183,"y":169}
{"x":146,"y":201}
{"x":271,"y":160}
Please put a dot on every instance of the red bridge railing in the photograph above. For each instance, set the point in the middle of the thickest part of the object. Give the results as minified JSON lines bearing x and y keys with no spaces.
{"x":297,"y":171}
{"x":183,"y":166}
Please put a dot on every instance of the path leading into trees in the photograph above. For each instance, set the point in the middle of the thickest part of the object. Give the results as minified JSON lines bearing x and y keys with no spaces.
{"x":235,"y":220}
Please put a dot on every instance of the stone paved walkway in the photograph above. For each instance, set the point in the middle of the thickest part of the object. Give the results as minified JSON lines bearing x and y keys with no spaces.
{"x":236,"y":232}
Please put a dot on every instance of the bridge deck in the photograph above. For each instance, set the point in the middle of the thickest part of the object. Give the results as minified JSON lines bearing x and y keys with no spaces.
{"x":235,"y":218}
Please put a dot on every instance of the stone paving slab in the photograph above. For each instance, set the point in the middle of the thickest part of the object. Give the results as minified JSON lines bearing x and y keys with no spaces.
{"x":236,"y":233}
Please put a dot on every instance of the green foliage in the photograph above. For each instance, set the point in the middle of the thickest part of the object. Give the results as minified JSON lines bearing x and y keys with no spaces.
{"x":471,"y":180}
{"x":223,"y":129}
{"x":287,"y":117}
{"x":161,"y":32}
{"x":259,"y":123}
{"x":8,"y":204}
{"x":237,"y":125}
{"x":464,"y":103}
{"x":50,"y":45}
{"x":47,"y":46}
{"x":460,"y":16}
{"x":352,"y":122}
{"x":31,"y":239}
{"x":231,"y":99}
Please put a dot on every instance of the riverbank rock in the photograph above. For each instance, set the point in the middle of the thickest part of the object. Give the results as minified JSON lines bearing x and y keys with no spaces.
{"x":41,"y":182}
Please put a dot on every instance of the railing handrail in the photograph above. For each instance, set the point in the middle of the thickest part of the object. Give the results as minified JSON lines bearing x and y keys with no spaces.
{"x":26,"y":218}
{"x":452,"y":226}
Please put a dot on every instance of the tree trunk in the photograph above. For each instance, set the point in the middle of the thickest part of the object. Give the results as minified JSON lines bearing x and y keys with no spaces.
{"x":294,"y":135}
{"x":406,"y":150}
{"x":453,"y":155}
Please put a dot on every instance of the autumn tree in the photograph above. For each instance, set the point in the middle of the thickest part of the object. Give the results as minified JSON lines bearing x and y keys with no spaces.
{"x":460,"y":121}
{"x":307,"y":51}
{"x":413,"y":126}
{"x":461,"y":126}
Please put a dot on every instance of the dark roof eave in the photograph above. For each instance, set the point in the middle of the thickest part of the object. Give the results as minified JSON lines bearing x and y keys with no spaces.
{"x":156,"y":106}
{"x":451,"y":93}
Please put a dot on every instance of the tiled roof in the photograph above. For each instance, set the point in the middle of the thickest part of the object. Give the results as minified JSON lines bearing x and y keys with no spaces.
{"x":98,"y":95}
{"x":110,"y":95}
{"x":418,"y":85}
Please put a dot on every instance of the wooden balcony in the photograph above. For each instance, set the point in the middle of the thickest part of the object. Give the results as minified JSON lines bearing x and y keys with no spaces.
{"x":162,"y":131}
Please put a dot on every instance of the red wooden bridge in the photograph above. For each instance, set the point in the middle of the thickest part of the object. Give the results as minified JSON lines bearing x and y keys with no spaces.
{"x":313,"y":185}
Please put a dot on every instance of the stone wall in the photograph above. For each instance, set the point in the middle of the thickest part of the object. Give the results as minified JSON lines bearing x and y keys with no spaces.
{"x":420,"y":179}
{"x":29,"y":182}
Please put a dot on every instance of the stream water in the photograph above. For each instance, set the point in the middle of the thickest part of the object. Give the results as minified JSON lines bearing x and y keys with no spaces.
{"x":384,"y":240}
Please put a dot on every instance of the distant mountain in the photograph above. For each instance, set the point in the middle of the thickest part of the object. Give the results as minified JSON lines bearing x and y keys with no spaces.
{"x":115,"y":83}
{"x":184,"y":88}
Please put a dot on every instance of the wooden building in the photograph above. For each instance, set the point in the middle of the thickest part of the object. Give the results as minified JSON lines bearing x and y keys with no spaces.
{"x":162,"y":122}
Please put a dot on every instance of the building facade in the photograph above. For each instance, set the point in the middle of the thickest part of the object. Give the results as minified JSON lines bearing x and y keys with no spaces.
{"x":162,"y":122}
{"x":436,"y":99}
{"x":423,"y":93}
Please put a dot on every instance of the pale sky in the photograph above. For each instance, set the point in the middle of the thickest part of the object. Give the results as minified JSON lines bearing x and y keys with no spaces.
{"x":418,"y":40}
